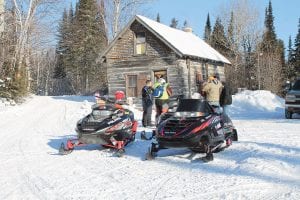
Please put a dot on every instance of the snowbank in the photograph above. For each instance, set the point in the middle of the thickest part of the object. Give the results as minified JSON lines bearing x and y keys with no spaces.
{"x":257,"y":104}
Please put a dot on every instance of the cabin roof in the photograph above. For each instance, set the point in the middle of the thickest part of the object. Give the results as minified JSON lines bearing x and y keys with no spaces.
{"x":185,"y":44}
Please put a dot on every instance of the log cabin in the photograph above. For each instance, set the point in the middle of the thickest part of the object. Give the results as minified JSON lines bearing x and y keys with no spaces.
{"x":146,"y":49}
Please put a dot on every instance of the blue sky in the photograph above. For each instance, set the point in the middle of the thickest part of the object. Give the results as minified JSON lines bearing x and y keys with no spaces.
{"x":286,"y":13}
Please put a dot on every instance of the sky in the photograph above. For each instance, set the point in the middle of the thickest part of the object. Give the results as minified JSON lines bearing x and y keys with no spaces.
{"x":286,"y":13}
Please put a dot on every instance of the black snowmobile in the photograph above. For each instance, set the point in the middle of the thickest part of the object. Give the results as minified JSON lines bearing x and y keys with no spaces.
{"x":106,"y":125}
{"x":195,"y":125}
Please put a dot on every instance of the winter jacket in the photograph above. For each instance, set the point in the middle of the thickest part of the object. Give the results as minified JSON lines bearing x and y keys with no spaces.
{"x":147,"y":96}
{"x":167,"y":91}
{"x":226,"y":98}
{"x":213,"y":90}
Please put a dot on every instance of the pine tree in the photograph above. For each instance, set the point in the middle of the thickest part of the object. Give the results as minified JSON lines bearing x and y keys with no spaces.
{"x":269,"y":37}
{"x":174,"y":23}
{"x":296,"y":52}
{"x":289,"y":70}
{"x":59,"y":70}
{"x":185,"y":24}
{"x":91,"y":40}
{"x":218,"y":38}
{"x":272,"y":62}
{"x":207,"y":31}
{"x":158,"y":17}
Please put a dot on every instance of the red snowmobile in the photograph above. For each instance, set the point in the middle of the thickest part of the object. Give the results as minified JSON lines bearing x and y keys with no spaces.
{"x":194,"y":125}
{"x":108,"y":125}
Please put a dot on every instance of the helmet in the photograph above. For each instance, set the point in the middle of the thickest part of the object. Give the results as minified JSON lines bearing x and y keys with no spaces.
{"x":119,"y":95}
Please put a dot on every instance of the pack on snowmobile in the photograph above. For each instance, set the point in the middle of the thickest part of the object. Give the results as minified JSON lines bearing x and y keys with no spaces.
{"x":106,"y":125}
{"x":195,"y":125}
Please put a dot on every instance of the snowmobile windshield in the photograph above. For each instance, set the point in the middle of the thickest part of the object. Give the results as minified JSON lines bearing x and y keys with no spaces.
{"x":296,"y":86}
{"x":193,"y":105}
{"x":100,"y":114}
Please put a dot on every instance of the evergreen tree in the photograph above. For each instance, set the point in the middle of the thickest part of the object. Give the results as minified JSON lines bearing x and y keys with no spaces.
{"x":269,"y":37}
{"x":59,"y":70}
{"x":185,"y":24}
{"x":91,"y":39}
{"x":272,"y":62}
{"x":289,"y":70}
{"x":218,"y":38}
{"x":207,"y":31}
{"x":296,"y":52}
{"x":174,"y":23}
{"x":158,"y":17}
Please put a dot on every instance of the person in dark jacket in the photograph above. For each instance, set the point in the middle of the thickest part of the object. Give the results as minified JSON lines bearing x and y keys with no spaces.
{"x":147,"y":102}
{"x":225,"y":97}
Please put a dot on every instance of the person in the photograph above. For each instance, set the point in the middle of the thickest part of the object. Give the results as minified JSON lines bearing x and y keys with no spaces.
{"x":123,"y":109}
{"x":212,"y":90}
{"x":147,"y":102}
{"x":161,"y":103}
{"x":225,"y":97}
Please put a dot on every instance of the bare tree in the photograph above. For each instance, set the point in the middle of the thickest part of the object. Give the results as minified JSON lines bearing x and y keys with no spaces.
{"x":119,"y":12}
{"x":28,"y":21}
{"x":244,"y":31}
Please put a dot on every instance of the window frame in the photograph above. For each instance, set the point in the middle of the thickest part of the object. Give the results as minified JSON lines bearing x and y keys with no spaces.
{"x":136,"y":43}
{"x":131,"y":87}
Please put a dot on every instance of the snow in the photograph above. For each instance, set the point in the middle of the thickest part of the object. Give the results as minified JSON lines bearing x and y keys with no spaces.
{"x":188,"y":44}
{"x":263,"y":164}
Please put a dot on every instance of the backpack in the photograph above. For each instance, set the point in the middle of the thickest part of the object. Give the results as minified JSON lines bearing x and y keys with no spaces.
{"x":158,"y":91}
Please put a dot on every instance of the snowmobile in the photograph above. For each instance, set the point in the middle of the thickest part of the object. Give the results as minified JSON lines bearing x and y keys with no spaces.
{"x":106,"y":125}
{"x":195,"y":125}
{"x":173,"y":103}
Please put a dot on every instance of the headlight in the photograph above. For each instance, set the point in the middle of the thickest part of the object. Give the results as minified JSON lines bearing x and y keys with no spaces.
{"x":290,"y":98}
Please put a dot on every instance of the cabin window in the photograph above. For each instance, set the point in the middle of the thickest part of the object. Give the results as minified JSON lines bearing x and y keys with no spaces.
{"x":140,"y":43}
{"x":131,"y":85}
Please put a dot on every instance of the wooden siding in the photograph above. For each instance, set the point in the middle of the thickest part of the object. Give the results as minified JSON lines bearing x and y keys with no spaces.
{"x":121,"y":61}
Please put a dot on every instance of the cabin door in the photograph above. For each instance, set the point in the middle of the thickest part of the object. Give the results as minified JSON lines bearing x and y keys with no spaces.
{"x":160,"y":74}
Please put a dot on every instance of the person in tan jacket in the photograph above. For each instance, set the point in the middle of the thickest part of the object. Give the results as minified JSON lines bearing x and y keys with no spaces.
{"x":213,"y":90}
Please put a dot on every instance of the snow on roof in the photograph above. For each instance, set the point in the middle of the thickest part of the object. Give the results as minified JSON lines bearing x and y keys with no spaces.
{"x":186,"y":43}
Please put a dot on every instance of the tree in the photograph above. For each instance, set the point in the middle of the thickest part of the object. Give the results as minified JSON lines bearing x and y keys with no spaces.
{"x":90,"y":40}
{"x":289,"y":68}
{"x":272,"y":62}
{"x":158,"y":17}
{"x":241,"y":22}
{"x":218,"y":38}
{"x":296,"y":51}
{"x":174,"y":23}
{"x":61,"y":51}
{"x":27,"y":27}
{"x":119,"y":12}
{"x":207,"y":30}
{"x":269,"y":36}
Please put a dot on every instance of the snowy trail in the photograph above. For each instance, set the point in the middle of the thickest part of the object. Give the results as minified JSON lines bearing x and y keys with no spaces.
{"x":264,"y":164}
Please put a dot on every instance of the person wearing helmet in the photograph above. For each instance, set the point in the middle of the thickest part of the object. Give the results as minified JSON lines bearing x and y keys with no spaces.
{"x":161,"y":102}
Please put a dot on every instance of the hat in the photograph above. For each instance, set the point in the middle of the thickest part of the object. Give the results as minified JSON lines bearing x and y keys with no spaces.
{"x":211,"y":78}
{"x":161,"y":80}
{"x":119,"y":95}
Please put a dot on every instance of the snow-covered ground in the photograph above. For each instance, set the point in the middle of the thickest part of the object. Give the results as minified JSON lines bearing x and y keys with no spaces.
{"x":263,"y":164}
